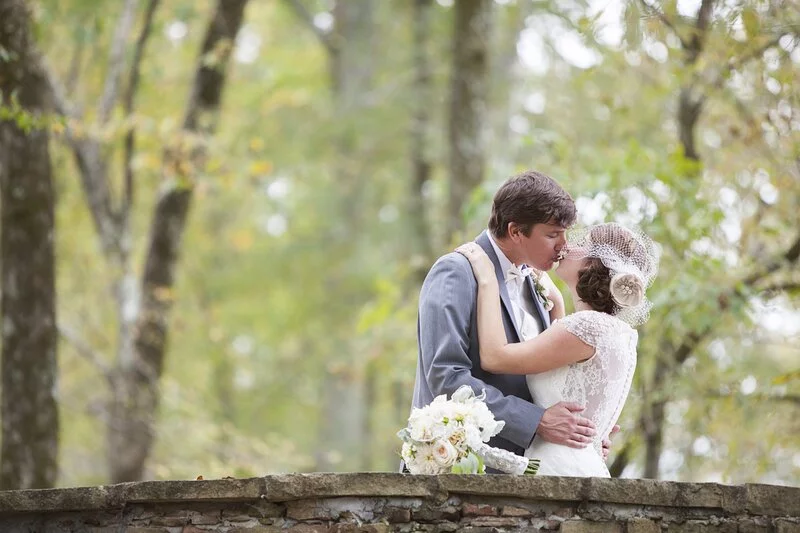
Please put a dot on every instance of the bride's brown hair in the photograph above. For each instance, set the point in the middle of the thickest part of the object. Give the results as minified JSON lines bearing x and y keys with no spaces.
{"x":594,"y":279}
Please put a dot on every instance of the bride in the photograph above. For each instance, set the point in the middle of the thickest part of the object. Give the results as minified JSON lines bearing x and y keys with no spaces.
{"x":587,"y":357}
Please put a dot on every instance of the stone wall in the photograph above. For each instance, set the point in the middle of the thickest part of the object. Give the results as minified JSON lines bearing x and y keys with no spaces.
{"x":378,"y":502}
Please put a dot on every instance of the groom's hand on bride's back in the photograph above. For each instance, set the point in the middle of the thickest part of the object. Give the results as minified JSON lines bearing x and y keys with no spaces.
{"x":607,"y":441}
{"x":562,"y":423}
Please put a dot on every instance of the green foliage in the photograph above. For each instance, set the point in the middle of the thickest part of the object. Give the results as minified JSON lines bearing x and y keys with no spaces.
{"x":287,"y":274}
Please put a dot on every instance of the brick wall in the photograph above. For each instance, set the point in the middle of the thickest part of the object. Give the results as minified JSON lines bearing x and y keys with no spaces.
{"x":378,"y":502}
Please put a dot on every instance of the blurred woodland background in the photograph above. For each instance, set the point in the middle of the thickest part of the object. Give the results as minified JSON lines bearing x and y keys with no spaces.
{"x":217,"y":215}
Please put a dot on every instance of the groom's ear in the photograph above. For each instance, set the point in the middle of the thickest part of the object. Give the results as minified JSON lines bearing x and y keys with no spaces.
{"x":514,"y":230}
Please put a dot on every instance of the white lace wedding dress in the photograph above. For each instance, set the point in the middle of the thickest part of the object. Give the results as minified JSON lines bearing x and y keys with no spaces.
{"x":600,"y":383}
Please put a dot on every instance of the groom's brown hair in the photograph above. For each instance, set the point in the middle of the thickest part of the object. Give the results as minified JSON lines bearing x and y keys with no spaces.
{"x":530,"y":198}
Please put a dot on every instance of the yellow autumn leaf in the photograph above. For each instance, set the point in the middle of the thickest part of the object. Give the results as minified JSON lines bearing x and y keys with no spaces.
{"x":260,"y":167}
{"x":788,"y":377}
{"x":214,"y":165}
{"x":242,"y":240}
{"x":57,"y":127}
{"x":256,"y":144}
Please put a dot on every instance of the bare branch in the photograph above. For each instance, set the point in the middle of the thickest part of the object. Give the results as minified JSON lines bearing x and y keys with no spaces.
{"x":699,"y":32}
{"x":115,"y":60}
{"x":737,"y":62}
{"x":85,"y":350}
{"x":762,"y":397}
{"x":304,"y":15}
{"x":785,"y":286}
{"x":130,"y":95}
{"x":91,"y":166}
{"x":59,"y":93}
{"x":787,"y":258}
{"x":75,"y":66}
{"x":654,"y":10}
{"x":694,"y":338}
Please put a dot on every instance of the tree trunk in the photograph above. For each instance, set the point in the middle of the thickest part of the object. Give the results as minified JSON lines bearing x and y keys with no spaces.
{"x":344,"y":413}
{"x":621,"y":460}
{"x":468,"y":93}
{"x":135,"y":402}
{"x":29,"y":455}
{"x":653,"y":438}
{"x":507,"y":91}
{"x":690,"y":108}
{"x":371,"y":384}
{"x":651,"y":421}
{"x":420,"y":143}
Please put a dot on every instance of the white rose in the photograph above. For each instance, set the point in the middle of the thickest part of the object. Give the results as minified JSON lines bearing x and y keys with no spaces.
{"x":425,"y":461}
{"x":444,"y":453}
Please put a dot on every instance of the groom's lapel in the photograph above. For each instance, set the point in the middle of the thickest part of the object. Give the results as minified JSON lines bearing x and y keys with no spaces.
{"x":483,"y":241}
{"x":543,"y":315}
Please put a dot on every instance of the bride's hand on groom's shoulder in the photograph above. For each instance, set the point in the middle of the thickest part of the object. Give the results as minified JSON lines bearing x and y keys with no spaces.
{"x":481,"y":264}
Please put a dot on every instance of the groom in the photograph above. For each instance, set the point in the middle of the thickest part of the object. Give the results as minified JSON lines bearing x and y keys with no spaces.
{"x":530,"y":215}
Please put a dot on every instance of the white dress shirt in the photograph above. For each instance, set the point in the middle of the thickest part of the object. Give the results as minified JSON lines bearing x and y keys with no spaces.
{"x":521,"y":299}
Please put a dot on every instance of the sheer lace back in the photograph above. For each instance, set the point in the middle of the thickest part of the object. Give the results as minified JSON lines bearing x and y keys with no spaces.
{"x":602,"y":382}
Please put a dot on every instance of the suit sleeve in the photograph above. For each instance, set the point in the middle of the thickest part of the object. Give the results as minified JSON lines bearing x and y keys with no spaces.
{"x":447,"y":302}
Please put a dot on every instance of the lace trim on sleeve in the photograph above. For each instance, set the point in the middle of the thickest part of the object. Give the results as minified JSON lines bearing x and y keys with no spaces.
{"x":589,"y":326}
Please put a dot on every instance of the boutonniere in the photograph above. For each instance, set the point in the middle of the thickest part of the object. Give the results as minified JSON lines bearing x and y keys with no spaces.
{"x":542,"y":292}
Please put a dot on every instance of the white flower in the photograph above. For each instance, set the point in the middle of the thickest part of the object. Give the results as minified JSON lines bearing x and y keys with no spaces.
{"x":548,"y":305}
{"x":407,"y":452}
{"x":442,"y":435}
{"x":444,"y":453}
{"x":425,"y":428}
{"x":473,"y":437}
{"x":425,"y":461}
{"x":463,"y":394}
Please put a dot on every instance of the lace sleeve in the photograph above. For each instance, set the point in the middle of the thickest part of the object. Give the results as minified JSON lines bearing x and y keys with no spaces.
{"x":588,"y":326}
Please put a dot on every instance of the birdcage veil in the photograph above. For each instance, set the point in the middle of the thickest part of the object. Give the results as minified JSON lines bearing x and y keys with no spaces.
{"x":630,"y":255}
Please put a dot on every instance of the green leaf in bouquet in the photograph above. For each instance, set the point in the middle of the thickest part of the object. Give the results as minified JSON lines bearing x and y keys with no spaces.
{"x":481,"y":465}
{"x":471,"y":464}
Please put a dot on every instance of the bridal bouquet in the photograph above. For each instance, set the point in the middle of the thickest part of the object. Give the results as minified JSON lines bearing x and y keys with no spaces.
{"x":449,"y":436}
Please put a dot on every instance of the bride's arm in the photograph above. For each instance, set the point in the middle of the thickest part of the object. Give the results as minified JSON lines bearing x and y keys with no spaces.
{"x":553,"y":348}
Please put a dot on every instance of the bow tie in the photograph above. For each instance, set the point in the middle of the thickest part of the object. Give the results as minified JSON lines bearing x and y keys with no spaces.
{"x":518,"y":273}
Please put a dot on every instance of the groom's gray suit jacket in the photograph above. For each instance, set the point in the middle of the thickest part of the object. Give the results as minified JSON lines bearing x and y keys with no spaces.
{"x":448,"y":347}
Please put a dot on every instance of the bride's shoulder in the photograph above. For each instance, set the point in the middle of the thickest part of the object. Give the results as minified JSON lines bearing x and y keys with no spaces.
{"x":589,"y":315}
{"x":596,"y":322}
